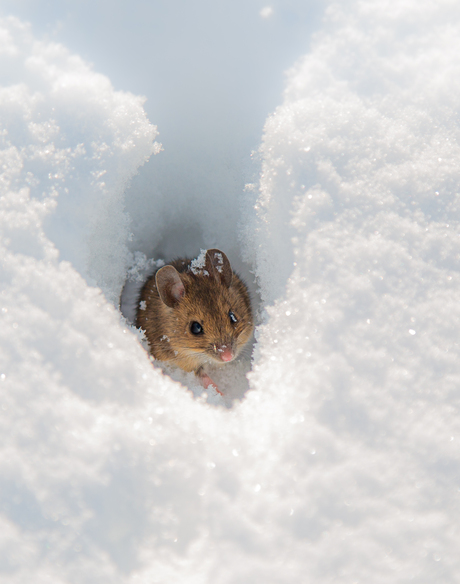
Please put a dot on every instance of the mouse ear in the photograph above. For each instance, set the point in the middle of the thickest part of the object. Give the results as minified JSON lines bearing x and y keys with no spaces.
{"x":217,"y":264}
{"x":169,"y":285}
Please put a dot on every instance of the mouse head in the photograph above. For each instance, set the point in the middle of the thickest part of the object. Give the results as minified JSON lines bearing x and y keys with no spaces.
{"x":209,"y":308}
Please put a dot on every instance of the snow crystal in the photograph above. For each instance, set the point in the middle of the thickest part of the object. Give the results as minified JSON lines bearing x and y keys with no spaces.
{"x":220,"y":262}
{"x":197,"y":264}
{"x":139,"y":268}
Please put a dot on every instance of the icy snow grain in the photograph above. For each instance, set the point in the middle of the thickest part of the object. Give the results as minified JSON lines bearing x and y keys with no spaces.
{"x":197,"y":264}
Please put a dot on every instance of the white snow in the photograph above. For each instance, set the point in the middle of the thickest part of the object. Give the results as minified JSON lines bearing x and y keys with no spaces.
{"x":342,"y":463}
{"x":198,"y":263}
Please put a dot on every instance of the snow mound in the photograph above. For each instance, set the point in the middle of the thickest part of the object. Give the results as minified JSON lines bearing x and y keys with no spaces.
{"x":71,"y":144}
{"x":356,"y":242}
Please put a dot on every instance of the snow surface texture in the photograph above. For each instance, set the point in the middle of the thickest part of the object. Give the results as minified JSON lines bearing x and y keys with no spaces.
{"x":70,"y":143}
{"x":343,"y":464}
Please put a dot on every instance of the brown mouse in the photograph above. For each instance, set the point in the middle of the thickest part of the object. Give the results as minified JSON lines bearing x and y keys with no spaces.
{"x":196,"y":313}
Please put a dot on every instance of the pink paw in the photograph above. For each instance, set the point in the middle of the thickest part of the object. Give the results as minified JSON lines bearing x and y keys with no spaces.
{"x":206,"y":382}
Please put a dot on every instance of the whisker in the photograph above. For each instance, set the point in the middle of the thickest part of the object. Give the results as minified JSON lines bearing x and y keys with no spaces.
{"x":246,"y":351}
{"x":188,"y":352}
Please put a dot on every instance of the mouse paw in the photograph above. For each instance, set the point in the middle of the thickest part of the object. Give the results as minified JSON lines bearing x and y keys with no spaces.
{"x":207,"y":382}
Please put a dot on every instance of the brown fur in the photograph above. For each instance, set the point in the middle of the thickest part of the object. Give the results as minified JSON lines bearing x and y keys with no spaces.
{"x":208,"y":296}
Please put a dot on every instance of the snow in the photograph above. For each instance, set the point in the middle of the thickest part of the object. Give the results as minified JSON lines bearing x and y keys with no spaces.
{"x":68,"y":137}
{"x":341,"y":464}
{"x":198,"y":263}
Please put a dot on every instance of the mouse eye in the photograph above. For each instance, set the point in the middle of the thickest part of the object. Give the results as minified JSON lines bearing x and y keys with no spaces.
{"x":196,"y":328}
{"x":232,"y":317}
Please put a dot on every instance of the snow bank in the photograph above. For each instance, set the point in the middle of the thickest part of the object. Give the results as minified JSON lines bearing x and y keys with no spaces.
{"x":71,"y":143}
{"x":342,"y":465}
{"x":358,"y":210}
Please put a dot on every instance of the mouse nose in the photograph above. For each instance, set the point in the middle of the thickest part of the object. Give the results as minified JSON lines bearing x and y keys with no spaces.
{"x":224,"y":352}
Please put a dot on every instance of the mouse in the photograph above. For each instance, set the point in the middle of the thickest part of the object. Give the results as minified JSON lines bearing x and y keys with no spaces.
{"x":196,"y":314}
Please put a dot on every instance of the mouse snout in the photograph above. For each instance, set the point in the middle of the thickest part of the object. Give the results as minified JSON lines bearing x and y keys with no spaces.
{"x":224,"y":352}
